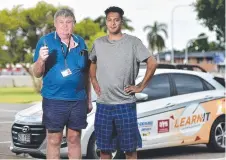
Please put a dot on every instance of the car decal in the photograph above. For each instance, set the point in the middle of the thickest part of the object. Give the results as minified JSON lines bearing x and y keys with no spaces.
{"x":190,"y":124}
{"x":176,"y":107}
{"x":192,"y":119}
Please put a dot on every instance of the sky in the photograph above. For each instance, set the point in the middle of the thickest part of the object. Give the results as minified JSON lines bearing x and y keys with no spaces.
{"x":141,"y":13}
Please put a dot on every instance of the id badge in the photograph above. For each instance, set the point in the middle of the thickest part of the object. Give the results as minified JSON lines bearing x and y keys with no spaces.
{"x":66,"y":72}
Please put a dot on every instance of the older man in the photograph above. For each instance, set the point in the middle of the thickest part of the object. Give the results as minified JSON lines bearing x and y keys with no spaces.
{"x":61,"y":59}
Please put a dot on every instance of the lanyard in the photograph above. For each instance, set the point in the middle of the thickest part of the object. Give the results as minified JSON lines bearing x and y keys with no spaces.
{"x":65,"y":54}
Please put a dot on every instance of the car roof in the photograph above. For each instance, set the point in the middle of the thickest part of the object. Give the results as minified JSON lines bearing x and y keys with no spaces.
{"x":190,"y":67}
{"x":161,"y":71}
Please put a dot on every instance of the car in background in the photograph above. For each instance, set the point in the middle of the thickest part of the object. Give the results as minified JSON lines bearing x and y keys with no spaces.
{"x":177,"y":108}
{"x":190,"y":67}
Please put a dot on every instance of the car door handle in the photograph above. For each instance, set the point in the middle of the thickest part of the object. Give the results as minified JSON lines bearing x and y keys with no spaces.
{"x":209,"y":97}
{"x":170,"y":105}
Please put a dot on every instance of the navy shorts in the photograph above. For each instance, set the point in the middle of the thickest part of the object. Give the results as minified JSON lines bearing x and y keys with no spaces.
{"x":60,"y":113}
{"x":117,"y":125}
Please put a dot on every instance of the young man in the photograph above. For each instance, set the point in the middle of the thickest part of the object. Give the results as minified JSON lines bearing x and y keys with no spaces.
{"x":115,"y":64}
{"x":61,"y":58}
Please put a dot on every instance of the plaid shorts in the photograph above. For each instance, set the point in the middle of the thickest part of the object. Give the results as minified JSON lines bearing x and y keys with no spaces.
{"x":117,"y":125}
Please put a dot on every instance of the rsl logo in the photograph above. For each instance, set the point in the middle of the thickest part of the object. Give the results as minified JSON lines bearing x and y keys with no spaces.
{"x":163,"y":126}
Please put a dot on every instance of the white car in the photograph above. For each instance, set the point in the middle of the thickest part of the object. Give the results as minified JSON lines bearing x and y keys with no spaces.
{"x":176,"y":108}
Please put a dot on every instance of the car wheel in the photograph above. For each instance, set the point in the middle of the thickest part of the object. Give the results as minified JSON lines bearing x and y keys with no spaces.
{"x":217,"y":136}
{"x":94,"y":153}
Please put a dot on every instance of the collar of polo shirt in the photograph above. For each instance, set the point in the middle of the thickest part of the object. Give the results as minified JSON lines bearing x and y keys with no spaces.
{"x":74,"y":38}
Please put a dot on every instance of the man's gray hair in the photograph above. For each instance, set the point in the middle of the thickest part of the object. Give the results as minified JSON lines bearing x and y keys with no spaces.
{"x":65,"y":13}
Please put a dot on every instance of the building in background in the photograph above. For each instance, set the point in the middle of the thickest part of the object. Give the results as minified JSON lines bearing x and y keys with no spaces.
{"x":211,"y":61}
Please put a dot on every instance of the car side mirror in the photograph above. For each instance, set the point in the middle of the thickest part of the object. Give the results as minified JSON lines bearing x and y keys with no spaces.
{"x":141,"y":96}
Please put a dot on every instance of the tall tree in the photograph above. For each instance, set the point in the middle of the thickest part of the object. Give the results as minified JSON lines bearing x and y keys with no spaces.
{"x":212,"y":15}
{"x":199,"y":44}
{"x":22,"y":28}
{"x":89,"y":43}
{"x":87,"y":28}
{"x":25,"y":28}
{"x":102,"y":22}
{"x":155,"y":39}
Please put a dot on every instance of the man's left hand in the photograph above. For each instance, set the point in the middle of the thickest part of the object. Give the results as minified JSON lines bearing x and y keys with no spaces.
{"x":133,"y":89}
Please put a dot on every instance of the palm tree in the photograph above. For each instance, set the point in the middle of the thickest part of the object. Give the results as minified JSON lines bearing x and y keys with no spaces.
{"x":155,"y":40}
{"x":102,"y":21}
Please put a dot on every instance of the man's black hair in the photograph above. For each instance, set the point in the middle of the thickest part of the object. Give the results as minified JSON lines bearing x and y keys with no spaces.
{"x":114,"y":9}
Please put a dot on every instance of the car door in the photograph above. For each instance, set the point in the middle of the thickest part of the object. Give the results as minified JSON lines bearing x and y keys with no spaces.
{"x":159,"y":93}
{"x":158,"y":117}
{"x":187,"y":115}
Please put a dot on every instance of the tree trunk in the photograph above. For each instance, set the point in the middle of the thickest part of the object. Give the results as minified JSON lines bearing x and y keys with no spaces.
{"x":37,"y":82}
{"x":158,"y":58}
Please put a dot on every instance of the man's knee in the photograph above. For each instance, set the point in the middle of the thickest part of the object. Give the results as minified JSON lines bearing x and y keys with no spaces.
{"x":54,"y":138}
{"x":73,"y":137}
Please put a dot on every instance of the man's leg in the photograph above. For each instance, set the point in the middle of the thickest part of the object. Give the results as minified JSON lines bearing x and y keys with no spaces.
{"x":103,"y":130}
{"x":53,"y":145}
{"x":127,"y":129}
{"x":76,"y":122}
{"x":54,"y":112}
{"x":131,"y":155}
{"x":74,"y":144}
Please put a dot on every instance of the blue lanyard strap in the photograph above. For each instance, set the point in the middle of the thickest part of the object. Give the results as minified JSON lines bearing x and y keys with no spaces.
{"x":65,"y":54}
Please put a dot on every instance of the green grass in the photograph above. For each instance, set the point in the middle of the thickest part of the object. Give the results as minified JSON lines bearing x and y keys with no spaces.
{"x":18,"y":95}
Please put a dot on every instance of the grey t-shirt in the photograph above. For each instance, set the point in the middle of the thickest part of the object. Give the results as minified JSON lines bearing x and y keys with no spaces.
{"x":117,"y":66}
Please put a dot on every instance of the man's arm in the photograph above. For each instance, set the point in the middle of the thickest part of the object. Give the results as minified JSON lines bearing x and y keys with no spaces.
{"x":151,"y":67}
{"x":92,"y":72}
{"x":39,"y":68}
{"x":88,"y":90}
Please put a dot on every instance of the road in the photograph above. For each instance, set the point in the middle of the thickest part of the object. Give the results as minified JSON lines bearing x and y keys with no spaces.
{"x":8,"y":112}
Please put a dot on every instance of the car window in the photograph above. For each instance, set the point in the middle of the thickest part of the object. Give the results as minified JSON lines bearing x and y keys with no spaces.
{"x":208,"y":86}
{"x":220,"y":80}
{"x":158,"y":87}
{"x":187,"y":83}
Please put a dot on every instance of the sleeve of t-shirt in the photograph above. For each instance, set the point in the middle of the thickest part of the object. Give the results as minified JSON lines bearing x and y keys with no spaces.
{"x":92,"y":54}
{"x":141,"y":52}
{"x":38,"y":46}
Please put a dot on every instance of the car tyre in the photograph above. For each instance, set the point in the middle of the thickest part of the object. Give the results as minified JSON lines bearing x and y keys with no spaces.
{"x":93,"y":153}
{"x":217,"y":136}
